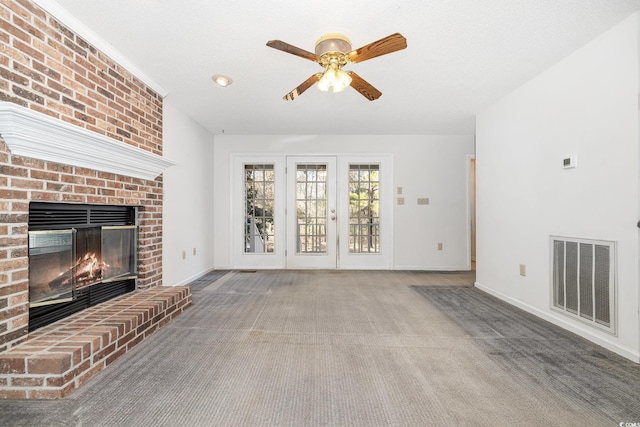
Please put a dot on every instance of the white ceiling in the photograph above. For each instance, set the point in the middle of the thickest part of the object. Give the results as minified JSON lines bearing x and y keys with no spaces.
{"x":461,"y":56}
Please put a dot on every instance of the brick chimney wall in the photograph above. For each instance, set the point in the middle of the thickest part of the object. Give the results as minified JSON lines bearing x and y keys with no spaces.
{"x":46,"y":67}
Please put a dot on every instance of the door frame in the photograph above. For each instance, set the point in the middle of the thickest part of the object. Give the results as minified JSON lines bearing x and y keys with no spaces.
{"x":240,"y":258}
{"x":344,"y":259}
{"x":328,"y":259}
{"x":384,"y":259}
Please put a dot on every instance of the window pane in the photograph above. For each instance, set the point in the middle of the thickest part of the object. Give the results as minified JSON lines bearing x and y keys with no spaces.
{"x":311,"y":206}
{"x":364,"y":208}
{"x":259,"y":185}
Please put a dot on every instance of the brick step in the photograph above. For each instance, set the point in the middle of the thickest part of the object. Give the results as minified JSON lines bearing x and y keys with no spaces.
{"x":59,"y":358}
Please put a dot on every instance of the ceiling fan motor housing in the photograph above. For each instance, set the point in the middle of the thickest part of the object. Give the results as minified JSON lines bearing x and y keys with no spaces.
{"x":333,"y":43}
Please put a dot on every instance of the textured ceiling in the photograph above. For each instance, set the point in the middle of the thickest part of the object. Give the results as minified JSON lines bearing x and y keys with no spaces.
{"x":461,"y":56}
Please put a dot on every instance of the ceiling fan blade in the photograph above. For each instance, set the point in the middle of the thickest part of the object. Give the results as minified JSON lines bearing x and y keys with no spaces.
{"x":364,"y":87}
{"x":286,"y":47}
{"x":383,"y":46}
{"x":302,"y":87}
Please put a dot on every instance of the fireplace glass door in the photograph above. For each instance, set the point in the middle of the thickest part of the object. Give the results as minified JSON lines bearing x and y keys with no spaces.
{"x":89,"y":264}
{"x":119,"y":252}
{"x":51,"y":265}
{"x":62,"y":263}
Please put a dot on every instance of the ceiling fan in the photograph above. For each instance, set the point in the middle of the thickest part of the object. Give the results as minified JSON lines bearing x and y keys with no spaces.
{"x":332,"y":52}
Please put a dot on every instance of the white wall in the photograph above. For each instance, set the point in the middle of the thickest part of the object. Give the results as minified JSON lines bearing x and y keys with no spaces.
{"x":586,"y":105}
{"x":188,"y":198}
{"x":435,"y":167}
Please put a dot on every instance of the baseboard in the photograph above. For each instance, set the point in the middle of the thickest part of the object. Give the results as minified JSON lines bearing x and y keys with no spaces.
{"x":192,"y":278}
{"x":564,"y":324}
{"x":432,"y":268}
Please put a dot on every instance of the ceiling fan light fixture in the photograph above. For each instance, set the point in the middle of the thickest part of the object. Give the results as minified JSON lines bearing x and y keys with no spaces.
{"x":334,"y":78}
{"x":221,"y":80}
{"x":343,"y":80}
{"x":326,"y":81}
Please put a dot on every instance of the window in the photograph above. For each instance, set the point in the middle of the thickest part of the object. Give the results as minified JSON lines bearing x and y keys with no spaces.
{"x":364,"y":208}
{"x":259,"y":198}
{"x":311,"y":208}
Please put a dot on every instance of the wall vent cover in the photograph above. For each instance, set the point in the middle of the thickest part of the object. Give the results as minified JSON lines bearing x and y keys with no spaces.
{"x":583,"y":280}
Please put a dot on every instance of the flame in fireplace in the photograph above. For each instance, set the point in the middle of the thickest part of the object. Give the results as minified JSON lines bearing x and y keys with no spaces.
{"x":89,"y":267}
{"x":87,"y":270}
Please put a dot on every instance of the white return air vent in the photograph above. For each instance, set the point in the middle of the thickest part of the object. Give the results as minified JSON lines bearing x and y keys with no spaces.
{"x":583,"y":280}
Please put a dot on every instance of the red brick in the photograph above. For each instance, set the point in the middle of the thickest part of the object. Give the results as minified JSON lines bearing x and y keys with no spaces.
{"x":45,"y":394}
{"x":135,"y":341}
{"x":125,"y":339}
{"x":83,"y":378}
{"x":27,"y":381}
{"x":104,"y":353}
{"x":51,"y":363}
{"x":13,"y":311}
{"x":13,"y":394}
{"x":12,"y":364}
{"x":89,"y":345}
{"x":76,"y":352}
{"x":113,"y":357}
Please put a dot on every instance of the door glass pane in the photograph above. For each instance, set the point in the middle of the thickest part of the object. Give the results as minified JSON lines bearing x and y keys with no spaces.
{"x":311,"y":206}
{"x":259,"y":198}
{"x":364,"y":208}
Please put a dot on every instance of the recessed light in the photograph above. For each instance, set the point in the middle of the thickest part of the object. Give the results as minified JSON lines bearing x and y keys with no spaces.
{"x":223,"y":81}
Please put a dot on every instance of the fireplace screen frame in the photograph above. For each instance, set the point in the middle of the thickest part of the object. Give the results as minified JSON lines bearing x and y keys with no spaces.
{"x":89,"y":223}
{"x":132,"y":249}
{"x":59,"y":248}
{"x":49,"y":242}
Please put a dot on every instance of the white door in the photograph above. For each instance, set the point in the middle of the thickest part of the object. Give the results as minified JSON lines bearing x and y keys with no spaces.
{"x":311,"y":212}
{"x":258,"y":203}
{"x":365,"y":216}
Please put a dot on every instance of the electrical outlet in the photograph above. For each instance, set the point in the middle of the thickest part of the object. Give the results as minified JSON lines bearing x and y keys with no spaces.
{"x":194,"y":251}
{"x":523,"y":269}
{"x":401,"y":200}
{"x":423,"y":200}
{"x":184,"y":254}
{"x":399,"y":190}
{"x":440,"y":246}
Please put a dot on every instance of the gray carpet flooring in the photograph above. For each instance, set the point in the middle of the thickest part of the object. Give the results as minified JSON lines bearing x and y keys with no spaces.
{"x":350,"y":348}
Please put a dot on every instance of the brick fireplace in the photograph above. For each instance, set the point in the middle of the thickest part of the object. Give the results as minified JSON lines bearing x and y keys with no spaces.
{"x":78,"y":128}
{"x":48,"y":71}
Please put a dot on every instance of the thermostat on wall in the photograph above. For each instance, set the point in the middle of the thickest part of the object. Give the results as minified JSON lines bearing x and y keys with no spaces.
{"x":570,"y":162}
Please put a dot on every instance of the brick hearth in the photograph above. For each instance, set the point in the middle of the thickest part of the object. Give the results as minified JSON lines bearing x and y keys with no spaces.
{"x":61,"y":357}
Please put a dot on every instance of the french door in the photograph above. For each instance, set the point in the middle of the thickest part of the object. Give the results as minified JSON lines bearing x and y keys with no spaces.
{"x":311,"y":212}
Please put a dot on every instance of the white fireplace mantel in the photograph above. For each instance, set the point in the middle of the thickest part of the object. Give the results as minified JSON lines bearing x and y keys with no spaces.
{"x":32,"y":134}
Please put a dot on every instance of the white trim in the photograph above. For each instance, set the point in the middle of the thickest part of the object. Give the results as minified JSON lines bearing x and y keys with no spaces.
{"x":558,"y":320}
{"x":469,"y":189}
{"x":192,"y":278}
{"x":433,"y":268}
{"x":29,"y":133}
{"x":61,"y":14}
